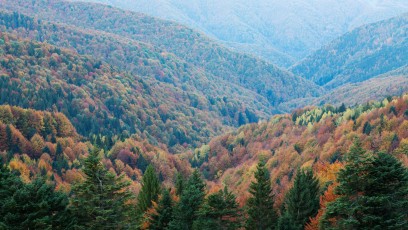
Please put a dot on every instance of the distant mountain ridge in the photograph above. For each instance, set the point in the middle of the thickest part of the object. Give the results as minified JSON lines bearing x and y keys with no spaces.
{"x":361,"y":54}
{"x":280,"y":31}
{"x":254,"y":74}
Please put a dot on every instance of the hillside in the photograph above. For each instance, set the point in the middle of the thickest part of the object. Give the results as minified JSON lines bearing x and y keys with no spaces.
{"x":36,"y":143}
{"x":315,"y":137}
{"x":192,"y":47}
{"x":100,"y":99}
{"x":280,"y":31}
{"x":361,"y":54}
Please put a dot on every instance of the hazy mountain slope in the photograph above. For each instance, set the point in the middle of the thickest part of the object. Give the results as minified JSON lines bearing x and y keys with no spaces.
{"x":194,"y":48}
{"x":281,"y":31}
{"x":391,"y":83}
{"x":359,"y":55}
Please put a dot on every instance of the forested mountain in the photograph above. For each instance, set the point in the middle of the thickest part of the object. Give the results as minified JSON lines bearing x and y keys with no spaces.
{"x":361,"y":54}
{"x":280,"y":31}
{"x":116,"y":120}
{"x":192,"y":47}
{"x":100,"y":99}
{"x":306,"y":154}
{"x":312,"y":137}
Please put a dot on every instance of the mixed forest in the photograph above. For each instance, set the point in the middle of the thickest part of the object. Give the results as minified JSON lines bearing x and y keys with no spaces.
{"x":115,"y":120}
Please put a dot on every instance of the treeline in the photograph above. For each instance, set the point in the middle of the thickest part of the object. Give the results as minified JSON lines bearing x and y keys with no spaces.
{"x":370,"y":192}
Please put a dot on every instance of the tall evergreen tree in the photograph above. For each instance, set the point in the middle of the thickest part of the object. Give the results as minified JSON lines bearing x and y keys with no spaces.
{"x":150,"y":191}
{"x":179,"y":184}
{"x":220,"y":211}
{"x":164,"y":211}
{"x":373,"y":194}
{"x":102,"y":200}
{"x":185,"y":212}
{"x":261,"y":214}
{"x":302,"y":200}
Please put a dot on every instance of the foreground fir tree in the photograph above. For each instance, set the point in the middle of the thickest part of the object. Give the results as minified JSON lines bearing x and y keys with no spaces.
{"x":35,"y":205}
{"x":302,"y":200}
{"x":163,"y":212}
{"x":261,"y":214}
{"x":149,"y":193}
{"x":150,"y":189}
{"x":102,"y":200}
{"x":220,"y":211}
{"x":191,"y":199}
{"x":373,"y":194}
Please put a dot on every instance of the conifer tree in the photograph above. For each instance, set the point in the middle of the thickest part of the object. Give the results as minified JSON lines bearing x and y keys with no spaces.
{"x":179,"y":184}
{"x":220,"y":211}
{"x":102,"y":200}
{"x":35,"y":205}
{"x":347,"y":209}
{"x":302,"y":200}
{"x":261,"y":214}
{"x":373,"y":194}
{"x":164,"y":211}
{"x":150,"y":191}
{"x":185,"y":212}
{"x":286,"y":222}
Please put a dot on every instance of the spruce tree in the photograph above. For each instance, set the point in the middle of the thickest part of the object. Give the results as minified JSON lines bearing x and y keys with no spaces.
{"x":185,"y":212}
{"x":150,"y":191}
{"x":164,"y":211}
{"x":286,"y":222}
{"x":386,"y":194}
{"x":302,"y":200}
{"x":35,"y":205}
{"x":373,"y":194}
{"x":179,"y":184}
{"x":220,"y":211}
{"x":102,"y":200}
{"x":261,"y":214}
{"x":347,"y":211}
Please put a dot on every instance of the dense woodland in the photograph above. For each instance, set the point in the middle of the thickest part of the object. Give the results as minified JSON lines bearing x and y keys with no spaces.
{"x":194,"y":48}
{"x":252,"y":177}
{"x":114,"y":127}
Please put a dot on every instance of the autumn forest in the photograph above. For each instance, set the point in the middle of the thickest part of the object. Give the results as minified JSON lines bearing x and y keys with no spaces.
{"x":113,"y":119}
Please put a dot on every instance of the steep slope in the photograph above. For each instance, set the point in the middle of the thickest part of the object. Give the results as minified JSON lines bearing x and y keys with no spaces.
{"x":100,"y":99}
{"x":309,"y":138}
{"x":194,"y":48}
{"x":281,"y":31}
{"x":361,"y":54}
